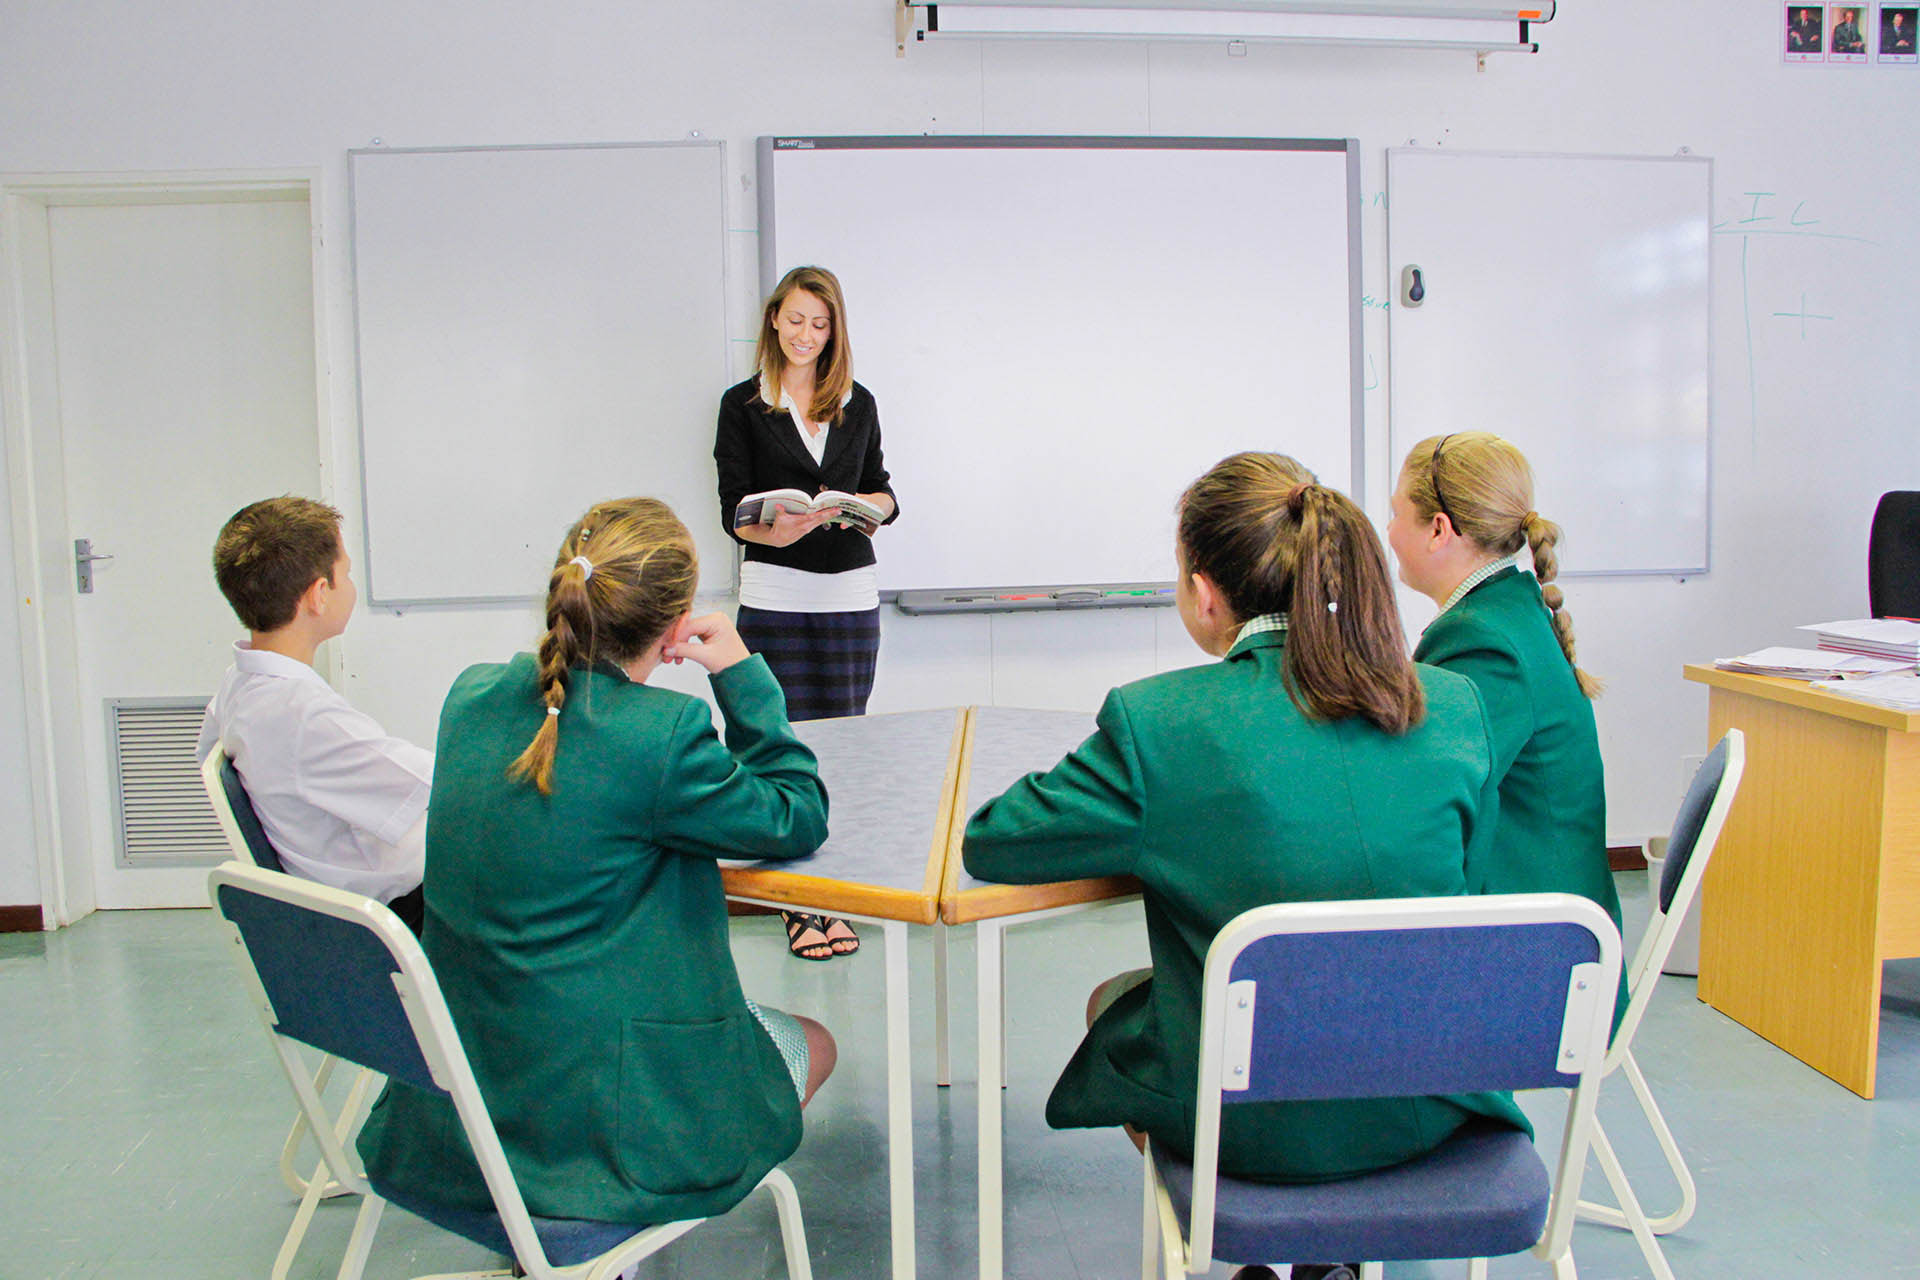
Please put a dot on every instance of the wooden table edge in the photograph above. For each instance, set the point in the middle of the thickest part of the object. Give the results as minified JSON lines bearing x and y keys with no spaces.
{"x":1798,"y":693}
{"x":824,"y":894}
{"x":951,"y":866}
{"x":995,"y":901}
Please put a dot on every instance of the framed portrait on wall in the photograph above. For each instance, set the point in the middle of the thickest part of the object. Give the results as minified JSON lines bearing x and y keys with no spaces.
{"x":1803,"y":33}
{"x":1846,"y":35}
{"x":1896,"y":39}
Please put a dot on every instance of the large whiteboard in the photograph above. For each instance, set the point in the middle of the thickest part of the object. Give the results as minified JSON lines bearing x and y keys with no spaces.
{"x":538,"y":328}
{"x":1566,"y":309}
{"x":1061,"y":333}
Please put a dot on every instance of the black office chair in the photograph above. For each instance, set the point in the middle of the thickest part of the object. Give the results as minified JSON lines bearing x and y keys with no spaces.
{"x":1893,"y":556}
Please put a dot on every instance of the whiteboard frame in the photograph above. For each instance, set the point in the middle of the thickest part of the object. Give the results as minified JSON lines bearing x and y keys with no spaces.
{"x":950,"y":599}
{"x":369,"y":578}
{"x":1396,"y":445}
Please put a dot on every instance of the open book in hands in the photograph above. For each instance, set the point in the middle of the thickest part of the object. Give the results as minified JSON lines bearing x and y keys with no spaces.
{"x":855,"y":513}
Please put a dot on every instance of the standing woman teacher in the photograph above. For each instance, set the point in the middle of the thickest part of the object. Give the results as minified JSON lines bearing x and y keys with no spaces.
{"x":809,"y":591}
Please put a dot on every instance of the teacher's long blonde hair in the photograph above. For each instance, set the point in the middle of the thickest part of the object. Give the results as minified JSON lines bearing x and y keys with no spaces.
{"x":833,"y":370}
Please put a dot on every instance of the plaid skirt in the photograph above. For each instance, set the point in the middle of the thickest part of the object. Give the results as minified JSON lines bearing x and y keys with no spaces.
{"x":823,"y":661}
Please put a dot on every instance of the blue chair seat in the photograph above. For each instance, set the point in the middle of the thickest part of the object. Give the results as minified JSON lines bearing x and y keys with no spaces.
{"x":567,"y":1241}
{"x":1489,"y":1175}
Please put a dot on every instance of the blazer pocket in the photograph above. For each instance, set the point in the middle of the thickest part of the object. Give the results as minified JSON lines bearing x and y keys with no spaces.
{"x":683,"y":1122}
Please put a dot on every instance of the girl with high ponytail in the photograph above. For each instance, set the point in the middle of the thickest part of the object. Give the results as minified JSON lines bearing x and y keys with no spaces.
{"x":574,"y":913}
{"x":1462,"y":514}
{"x":1316,"y":761}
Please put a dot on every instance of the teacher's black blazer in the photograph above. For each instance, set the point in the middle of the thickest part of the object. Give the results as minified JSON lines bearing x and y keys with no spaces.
{"x":756,"y":448}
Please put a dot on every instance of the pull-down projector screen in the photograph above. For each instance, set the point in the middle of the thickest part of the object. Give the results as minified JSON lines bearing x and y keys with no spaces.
{"x":1061,"y":333}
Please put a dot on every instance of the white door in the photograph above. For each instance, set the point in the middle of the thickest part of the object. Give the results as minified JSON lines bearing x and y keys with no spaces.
{"x":186,"y":389}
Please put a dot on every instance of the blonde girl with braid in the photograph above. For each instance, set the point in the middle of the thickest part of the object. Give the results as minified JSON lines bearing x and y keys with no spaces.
{"x":1313,"y":761}
{"x":575,"y":916}
{"x":1462,"y":514}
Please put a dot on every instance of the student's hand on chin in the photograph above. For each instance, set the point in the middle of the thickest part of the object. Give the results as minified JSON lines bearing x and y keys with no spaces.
{"x":710,"y":641}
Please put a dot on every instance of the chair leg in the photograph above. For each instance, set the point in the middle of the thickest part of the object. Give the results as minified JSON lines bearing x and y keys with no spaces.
{"x":1164,"y":1251}
{"x":1563,"y":1268}
{"x":1668,"y":1223}
{"x":290,"y":1151}
{"x":353,"y":1112}
{"x":793,"y":1230}
{"x":1149,"y":1227}
{"x":1630,"y":1210}
{"x":302,"y":1219}
{"x":1373,"y":1271}
{"x":1476,"y":1269}
{"x":354,"y":1263}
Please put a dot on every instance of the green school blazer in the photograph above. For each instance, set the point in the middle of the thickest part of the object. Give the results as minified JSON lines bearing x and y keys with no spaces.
{"x":581,"y":940}
{"x":1213,"y":788}
{"x":1552,"y":836}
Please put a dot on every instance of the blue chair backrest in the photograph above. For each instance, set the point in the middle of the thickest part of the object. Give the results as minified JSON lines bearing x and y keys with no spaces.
{"x":1398,"y":1012}
{"x":330,"y":981}
{"x":1691,"y":818}
{"x":245,"y":818}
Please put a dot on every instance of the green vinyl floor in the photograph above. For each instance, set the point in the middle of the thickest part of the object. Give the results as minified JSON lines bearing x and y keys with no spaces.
{"x":141,"y":1115}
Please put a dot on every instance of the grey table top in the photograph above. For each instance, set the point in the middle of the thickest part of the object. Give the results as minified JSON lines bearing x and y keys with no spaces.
{"x":1004,"y":745}
{"x":889,"y":793}
{"x":899,"y":790}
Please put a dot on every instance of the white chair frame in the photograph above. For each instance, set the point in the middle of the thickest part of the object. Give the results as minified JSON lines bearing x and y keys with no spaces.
{"x":322,"y":1075}
{"x":1643,"y":975}
{"x":439,"y":1044}
{"x":1167,"y":1251}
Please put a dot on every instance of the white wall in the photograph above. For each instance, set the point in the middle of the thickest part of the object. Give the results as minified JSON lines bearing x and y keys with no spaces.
{"x":1808,"y":426}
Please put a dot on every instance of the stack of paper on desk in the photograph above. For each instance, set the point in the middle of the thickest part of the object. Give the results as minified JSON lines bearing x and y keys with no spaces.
{"x":1877,"y":637}
{"x":1899,"y":692}
{"x":1812,"y":664}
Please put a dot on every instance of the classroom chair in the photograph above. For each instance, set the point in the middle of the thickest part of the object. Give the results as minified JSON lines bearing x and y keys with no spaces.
{"x":1696,"y":829}
{"x":1893,"y":556}
{"x":247,"y":838}
{"x":340,"y":973}
{"x":1391,"y":998}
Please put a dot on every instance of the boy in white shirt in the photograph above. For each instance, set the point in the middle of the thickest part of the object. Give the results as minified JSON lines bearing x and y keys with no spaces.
{"x":343,"y":803}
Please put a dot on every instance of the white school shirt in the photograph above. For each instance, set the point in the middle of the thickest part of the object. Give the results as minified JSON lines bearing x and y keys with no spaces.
{"x":780,"y":588}
{"x":343,"y":802}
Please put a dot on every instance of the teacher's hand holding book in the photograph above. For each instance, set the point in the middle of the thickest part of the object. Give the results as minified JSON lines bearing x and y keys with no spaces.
{"x":786,"y":527}
{"x":780,"y":512}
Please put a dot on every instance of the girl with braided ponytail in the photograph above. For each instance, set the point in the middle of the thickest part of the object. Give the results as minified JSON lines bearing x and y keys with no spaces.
{"x":575,"y":916}
{"x":1462,"y":512}
{"x":1316,"y":761}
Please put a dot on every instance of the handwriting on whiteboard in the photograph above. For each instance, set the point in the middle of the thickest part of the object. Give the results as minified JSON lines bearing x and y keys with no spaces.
{"x":1769,"y":214}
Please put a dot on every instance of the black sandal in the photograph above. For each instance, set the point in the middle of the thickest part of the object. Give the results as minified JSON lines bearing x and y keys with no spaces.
{"x":844,"y":945}
{"x":799,"y":924}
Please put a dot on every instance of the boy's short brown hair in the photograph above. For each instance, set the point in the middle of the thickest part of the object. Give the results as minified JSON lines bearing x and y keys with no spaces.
{"x":270,"y":552}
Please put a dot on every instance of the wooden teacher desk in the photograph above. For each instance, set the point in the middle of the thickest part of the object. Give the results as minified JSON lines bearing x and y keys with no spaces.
{"x":900,"y":788}
{"x":1816,"y":879}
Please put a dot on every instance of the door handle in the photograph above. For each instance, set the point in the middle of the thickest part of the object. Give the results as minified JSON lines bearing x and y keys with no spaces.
{"x":83,"y":558}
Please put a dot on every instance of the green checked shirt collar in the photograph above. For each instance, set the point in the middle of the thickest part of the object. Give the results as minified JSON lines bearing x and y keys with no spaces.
{"x":1265,"y":622}
{"x":1479,"y":576}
